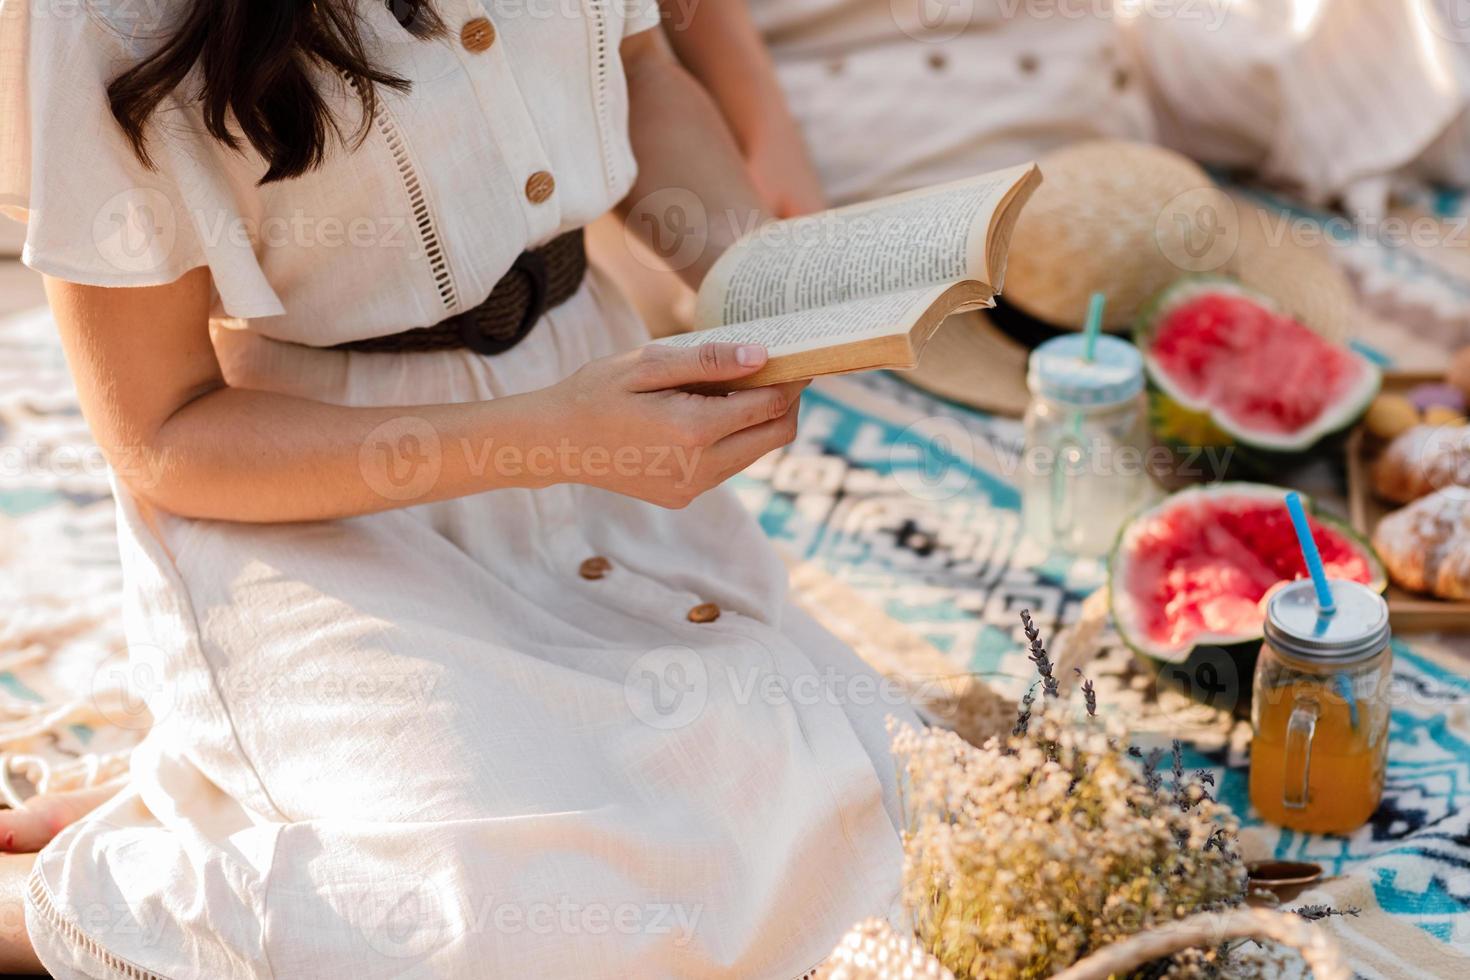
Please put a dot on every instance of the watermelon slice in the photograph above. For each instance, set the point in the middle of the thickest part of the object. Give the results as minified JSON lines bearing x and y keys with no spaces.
{"x":1195,"y":570}
{"x":1227,"y":367}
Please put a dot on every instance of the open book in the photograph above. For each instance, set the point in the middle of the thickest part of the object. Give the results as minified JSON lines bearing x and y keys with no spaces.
{"x":863,"y":286}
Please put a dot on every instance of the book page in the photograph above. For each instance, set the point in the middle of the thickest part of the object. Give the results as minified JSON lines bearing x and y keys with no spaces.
{"x":827,"y":326}
{"x":921,"y":238}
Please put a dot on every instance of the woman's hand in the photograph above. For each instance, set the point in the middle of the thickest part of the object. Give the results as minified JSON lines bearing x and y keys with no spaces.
{"x":720,"y":46}
{"x":781,"y":169}
{"x":687,"y":158}
{"x":45,"y":815}
{"x":626,"y":427}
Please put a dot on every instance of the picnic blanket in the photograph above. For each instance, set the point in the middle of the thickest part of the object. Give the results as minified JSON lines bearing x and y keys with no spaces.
{"x":904,"y":501}
{"x":69,"y":710}
{"x":908,"y":502}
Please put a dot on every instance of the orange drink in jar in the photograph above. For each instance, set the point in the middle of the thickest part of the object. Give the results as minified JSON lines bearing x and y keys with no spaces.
{"x":1320,"y":709}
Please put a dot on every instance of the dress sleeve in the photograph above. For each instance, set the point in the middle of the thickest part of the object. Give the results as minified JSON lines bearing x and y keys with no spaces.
{"x":640,"y":15}
{"x":1352,"y":92}
{"x":94,"y":213}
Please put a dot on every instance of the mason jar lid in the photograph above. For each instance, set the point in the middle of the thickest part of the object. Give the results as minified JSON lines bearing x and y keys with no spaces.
{"x":1059,"y":372}
{"x":1356,"y":629}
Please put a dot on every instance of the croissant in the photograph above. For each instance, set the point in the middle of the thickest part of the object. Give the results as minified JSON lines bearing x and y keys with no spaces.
{"x":1426,"y":545}
{"x":1422,"y":460}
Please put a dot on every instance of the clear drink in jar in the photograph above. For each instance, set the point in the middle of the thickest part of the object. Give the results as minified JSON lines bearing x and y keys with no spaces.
{"x":1084,"y":469}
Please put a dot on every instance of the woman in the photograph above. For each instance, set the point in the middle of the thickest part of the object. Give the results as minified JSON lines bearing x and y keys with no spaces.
{"x":849,"y":100}
{"x":1332,"y":99}
{"x":440,"y":686}
{"x":952,"y":89}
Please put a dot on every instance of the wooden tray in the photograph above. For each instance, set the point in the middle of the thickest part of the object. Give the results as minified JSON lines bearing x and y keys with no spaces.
{"x":1409,"y":611}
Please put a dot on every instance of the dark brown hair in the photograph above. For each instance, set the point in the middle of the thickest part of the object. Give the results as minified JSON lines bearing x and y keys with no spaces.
{"x":256,"y":61}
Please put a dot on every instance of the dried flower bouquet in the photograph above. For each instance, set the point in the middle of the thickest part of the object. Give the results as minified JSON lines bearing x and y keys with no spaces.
{"x":1060,"y":850}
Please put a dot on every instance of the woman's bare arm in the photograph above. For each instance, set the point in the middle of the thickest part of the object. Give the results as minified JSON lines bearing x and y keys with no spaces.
{"x":691,"y":179}
{"x":718,"y":42}
{"x":179,"y":437}
{"x":157,"y":404}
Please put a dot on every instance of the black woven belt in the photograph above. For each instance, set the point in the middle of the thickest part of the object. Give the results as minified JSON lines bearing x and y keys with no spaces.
{"x":540,"y":279}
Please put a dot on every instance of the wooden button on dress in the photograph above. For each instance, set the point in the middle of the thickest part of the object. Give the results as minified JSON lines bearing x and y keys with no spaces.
{"x":477,"y":35}
{"x":594,"y":568}
{"x":539,"y":186}
{"x":705,"y":612}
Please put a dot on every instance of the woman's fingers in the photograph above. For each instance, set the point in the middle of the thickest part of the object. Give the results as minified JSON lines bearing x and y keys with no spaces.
{"x":634,"y":400}
{"x":739,"y":449}
{"x":658,"y":366}
{"x":43,"y":817}
{"x":738,"y":410}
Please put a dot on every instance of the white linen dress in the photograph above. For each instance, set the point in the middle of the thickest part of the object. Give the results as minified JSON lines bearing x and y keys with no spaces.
{"x":420,"y":743}
{"x":956,"y":87}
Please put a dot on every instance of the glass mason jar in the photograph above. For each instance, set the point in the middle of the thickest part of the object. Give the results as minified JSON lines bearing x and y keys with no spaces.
{"x":1320,"y":708}
{"x":1085,"y":464}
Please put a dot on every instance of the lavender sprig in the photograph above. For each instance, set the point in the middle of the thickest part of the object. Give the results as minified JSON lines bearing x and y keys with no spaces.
{"x":1023,"y":717}
{"x":1177,"y":769}
{"x":1315,"y":913}
{"x":1219,"y":837}
{"x":1089,"y":693}
{"x":1038,"y":655}
{"x":998,"y":782}
{"x":1151,"y":777}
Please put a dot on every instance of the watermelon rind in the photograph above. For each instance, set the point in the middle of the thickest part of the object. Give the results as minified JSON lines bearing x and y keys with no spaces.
{"x":1125,"y":612}
{"x":1176,"y":415}
{"x":1186,"y":288}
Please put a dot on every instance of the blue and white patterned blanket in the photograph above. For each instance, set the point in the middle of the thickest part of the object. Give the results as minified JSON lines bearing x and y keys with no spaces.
{"x":905,"y":499}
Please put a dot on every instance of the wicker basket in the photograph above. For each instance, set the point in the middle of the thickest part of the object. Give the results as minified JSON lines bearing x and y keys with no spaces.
{"x":872,"y":950}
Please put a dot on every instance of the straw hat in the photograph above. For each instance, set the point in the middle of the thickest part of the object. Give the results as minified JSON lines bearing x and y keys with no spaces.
{"x":1126,"y":219}
{"x":1296,"y":270}
{"x":1113,"y":217}
{"x":971,"y":361}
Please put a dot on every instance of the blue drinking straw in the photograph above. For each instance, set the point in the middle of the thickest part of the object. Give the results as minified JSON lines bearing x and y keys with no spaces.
{"x":1313,"y":557}
{"x":1093,"y":327}
{"x":1090,"y":330}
